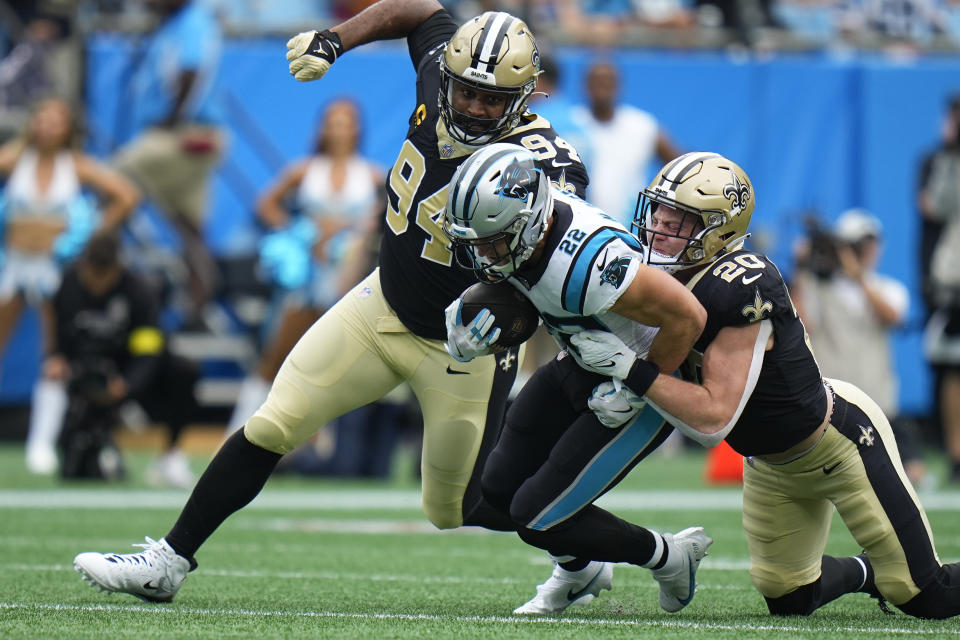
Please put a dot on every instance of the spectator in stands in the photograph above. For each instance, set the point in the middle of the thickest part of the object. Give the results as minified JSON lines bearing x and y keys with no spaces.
{"x":41,"y":62}
{"x":629,"y":137}
{"x":316,"y":209}
{"x":939,"y":200}
{"x":850,"y":312}
{"x":108,"y":349}
{"x":44,"y":221}
{"x":893,"y":24}
{"x":744,"y":19}
{"x":178,"y":137}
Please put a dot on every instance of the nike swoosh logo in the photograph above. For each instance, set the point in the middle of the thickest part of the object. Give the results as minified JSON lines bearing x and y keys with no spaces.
{"x":603,"y":263}
{"x":576,"y":595}
{"x":561,"y":164}
{"x":829,"y":470}
{"x":751,"y":279}
{"x":148,"y":585}
{"x":456,"y":373}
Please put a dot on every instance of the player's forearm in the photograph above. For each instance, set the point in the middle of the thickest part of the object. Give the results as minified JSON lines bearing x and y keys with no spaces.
{"x":674,"y":341}
{"x":697,"y":407}
{"x":384,"y":20}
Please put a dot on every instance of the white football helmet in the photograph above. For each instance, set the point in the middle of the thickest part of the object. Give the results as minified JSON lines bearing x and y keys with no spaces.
{"x":494,"y":52}
{"x":497,"y":208}
{"x":715,"y":199}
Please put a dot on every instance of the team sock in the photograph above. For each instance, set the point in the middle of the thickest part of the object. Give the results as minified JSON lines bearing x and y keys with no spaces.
{"x":235,"y":476}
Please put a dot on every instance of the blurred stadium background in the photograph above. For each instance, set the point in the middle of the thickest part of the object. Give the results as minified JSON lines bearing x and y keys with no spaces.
{"x":825,"y":107}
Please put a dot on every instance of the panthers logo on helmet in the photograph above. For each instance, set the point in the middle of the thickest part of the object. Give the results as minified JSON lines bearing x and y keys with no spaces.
{"x":517,"y":181}
{"x":615,"y":272}
{"x":737,"y":192}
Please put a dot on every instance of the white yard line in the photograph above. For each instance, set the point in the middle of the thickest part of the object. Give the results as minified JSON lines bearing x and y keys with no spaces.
{"x":627,"y":578}
{"x":546,"y":621}
{"x":364,"y":499}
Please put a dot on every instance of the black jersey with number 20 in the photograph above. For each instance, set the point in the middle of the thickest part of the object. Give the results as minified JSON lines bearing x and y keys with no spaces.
{"x":417,"y":270}
{"x":789,"y":400}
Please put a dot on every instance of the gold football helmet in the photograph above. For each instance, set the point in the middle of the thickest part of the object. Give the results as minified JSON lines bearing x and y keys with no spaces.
{"x":496,"y":53}
{"x":714,"y":199}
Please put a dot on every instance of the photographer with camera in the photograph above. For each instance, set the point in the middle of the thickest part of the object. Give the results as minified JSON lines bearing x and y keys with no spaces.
{"x":108,"y":349}
{"x":849,"y":311}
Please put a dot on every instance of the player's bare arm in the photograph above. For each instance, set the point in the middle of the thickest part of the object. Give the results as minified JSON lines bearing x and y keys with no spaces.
{"x":730,"y":366}
{"x":384,"y":20}
{"x":312,"y":52}
{"x":656,"y":299}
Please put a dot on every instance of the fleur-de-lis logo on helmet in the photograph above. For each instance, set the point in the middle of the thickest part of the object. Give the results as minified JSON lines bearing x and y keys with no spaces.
{"x":517,"y":181}
{"x":737,"y":192}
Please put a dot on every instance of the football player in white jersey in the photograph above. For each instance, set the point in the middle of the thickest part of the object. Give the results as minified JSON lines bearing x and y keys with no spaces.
{"x":813,"y":446}
{"x":555,"y":456}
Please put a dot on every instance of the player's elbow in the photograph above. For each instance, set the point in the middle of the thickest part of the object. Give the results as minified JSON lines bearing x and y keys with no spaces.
{"x":707,"y":434}
{"x":711,"y":426}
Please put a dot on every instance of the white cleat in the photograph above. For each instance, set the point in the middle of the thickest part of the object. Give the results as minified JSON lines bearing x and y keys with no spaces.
{"x":41,"y":460}
{"x":153,"y":575}
{"x":677,"y":577}
{"x":566,"y":588}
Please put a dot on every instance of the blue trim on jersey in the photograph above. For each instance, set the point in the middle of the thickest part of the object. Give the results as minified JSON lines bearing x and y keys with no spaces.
{"x":578,"y":276}
{"x":604,"y":468}
{"x":629,"y":239}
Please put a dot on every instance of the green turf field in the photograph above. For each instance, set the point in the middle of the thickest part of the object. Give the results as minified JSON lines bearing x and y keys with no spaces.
{"x":319,"y":559}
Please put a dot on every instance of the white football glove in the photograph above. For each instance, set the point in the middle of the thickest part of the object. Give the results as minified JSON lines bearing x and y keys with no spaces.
{"x":464,"y":343}
{"x":603,"y":352}
{"x":311,"y":53}
{"x":614,"y":404}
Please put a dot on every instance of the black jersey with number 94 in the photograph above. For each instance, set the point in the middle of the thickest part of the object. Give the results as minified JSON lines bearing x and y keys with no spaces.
{"x":417,"y":270}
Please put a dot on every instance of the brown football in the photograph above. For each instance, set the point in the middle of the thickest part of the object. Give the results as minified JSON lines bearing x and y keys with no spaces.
{"x":513,"y":312}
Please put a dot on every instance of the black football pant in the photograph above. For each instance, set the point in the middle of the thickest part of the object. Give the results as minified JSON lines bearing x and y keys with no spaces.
{"x":554,"y":458}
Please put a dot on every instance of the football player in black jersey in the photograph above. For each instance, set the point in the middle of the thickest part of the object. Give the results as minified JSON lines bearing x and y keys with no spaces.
{"x":812,"y":445}
{"x":473,"y":83}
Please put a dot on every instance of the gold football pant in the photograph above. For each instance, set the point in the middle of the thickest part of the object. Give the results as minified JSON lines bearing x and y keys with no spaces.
{"x":855,"y":469}
{"x":355,"y":354}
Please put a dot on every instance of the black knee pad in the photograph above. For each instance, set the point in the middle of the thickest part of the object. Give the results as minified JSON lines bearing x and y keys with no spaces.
{"x":800,"y":602}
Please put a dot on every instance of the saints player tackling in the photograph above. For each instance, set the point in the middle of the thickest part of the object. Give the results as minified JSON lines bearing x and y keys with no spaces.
{"x":812,"y":445}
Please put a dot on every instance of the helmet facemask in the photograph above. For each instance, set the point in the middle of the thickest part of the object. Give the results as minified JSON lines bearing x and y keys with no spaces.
{"x":652,"y":224}
{"x":472,"y":130}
